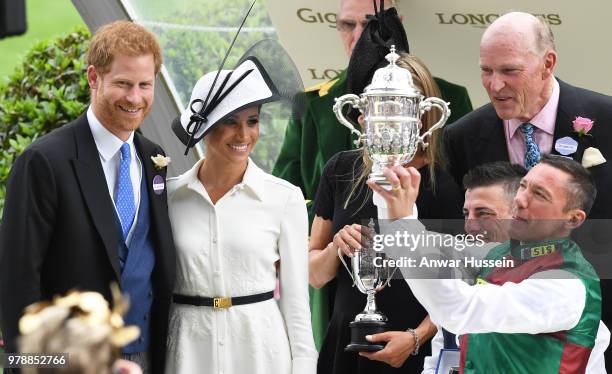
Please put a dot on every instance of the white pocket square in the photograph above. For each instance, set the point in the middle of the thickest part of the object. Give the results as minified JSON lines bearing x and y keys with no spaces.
{"x":592,"y":157}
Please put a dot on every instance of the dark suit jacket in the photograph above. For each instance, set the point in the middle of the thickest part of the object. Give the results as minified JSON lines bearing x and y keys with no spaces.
{"x":59,"y":229}
{"x":478,"y":138}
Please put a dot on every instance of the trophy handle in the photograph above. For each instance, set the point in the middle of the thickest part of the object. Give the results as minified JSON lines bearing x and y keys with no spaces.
{"x":387,"y":282}
{"x":426,"y":106}
{"x":346,"y":266}
{"x":356,"y":103}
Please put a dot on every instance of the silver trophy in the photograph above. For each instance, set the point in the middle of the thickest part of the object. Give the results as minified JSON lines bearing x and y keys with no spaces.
{"x":369,"y":280}
{"x":392,"y":109}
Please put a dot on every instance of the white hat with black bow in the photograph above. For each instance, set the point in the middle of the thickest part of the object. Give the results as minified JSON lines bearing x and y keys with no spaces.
{"x":221,"y":93}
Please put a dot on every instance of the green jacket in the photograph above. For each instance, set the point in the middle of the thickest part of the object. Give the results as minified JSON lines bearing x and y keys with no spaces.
{"x":559,"y":352}
{"x":311,"y":140}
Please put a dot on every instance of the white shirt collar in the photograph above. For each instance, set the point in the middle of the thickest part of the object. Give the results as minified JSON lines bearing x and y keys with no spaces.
{"x":107,"y":143}
{"x":545,"y":119}
{"x":253,"y":180}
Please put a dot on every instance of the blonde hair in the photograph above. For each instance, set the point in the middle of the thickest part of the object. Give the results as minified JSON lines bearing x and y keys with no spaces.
{"x":122,"y":37}
{"x":425,"y":83}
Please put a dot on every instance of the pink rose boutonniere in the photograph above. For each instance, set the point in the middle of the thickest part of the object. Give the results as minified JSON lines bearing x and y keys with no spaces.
{"x":583,"y":125}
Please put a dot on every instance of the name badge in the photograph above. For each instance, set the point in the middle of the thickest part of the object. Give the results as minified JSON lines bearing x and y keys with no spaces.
{"x":532,"y":252}
{"x":566,"y":146}
{"x":158,"y":184}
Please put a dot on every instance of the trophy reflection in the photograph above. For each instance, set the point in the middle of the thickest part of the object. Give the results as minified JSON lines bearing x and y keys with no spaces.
{"x":368,"y":279}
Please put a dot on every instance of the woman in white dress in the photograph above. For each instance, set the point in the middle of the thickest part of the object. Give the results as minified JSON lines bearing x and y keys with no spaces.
{"x":232,"y":224}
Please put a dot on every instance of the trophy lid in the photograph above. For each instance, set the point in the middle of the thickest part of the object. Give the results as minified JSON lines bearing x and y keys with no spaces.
{"x":392,"y":80}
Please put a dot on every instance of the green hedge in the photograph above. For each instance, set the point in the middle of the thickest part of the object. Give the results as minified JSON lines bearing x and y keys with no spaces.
{"x":47,"y":91}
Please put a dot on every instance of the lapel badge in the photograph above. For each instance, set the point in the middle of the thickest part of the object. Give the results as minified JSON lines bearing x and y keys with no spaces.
{"x":158,"y":184}
{"x":566,"y":146}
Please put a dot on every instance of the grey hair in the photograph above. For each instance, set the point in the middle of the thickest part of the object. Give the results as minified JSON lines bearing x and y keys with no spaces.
{"x":543,"y":37}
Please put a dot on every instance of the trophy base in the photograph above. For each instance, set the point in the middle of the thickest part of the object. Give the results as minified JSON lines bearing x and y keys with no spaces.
{"x":364,"y":347}
{"x":359,"y":330}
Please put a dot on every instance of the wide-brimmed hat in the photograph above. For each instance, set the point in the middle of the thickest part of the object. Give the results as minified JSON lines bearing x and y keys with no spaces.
{"x":219,"y":94}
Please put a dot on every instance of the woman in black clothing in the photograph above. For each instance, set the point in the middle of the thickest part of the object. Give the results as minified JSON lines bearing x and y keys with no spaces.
{"x":342,"y":204}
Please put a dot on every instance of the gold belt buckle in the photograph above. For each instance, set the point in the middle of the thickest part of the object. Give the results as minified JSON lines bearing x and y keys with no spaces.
{"x":222,"y":302}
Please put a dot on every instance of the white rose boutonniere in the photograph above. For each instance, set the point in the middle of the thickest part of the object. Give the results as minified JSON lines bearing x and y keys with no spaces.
{"x":160,"y":161}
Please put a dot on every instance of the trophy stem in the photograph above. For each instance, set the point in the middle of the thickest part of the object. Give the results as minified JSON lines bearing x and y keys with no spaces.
{"x":371,"y":312}
{"x":370,"y":307}
{"x":379,"y":179}
{"x":368,"y":322}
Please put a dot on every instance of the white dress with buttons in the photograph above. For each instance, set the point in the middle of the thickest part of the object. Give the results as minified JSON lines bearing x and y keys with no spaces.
{"x":230,"y":249}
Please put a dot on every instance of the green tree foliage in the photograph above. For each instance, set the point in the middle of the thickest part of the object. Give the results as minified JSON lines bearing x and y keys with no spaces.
{"x":189,"y":53}
{"x":47,"y":91}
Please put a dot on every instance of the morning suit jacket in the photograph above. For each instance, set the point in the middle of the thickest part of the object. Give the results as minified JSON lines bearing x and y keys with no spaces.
{"x":479,"y":137}
{"x":60,"y":232}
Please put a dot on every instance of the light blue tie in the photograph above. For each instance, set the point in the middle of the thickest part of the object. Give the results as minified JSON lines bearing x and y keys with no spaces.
{"x":124,"y":198}
{"x":532,"y":151}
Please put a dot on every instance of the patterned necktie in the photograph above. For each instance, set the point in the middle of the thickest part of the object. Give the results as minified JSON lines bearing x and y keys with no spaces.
{"x":124,"y":198}
{"x":532,"y":151}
